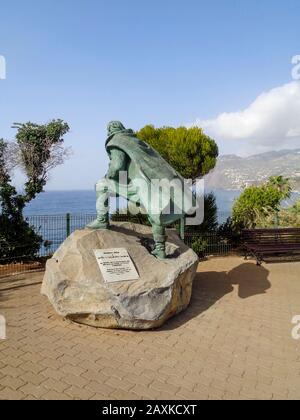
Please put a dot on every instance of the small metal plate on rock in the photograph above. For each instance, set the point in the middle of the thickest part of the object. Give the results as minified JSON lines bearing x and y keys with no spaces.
{"x":116,"y":265}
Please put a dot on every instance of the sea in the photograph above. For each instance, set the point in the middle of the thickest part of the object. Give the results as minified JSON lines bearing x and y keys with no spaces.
{"x":83,"y":202}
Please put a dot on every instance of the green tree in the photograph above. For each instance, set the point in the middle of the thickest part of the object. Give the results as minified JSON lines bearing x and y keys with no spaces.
{"x":281,"y":184}
{"x":295,"y":208}
{"x":210,"y":221}
{"x":37,"y":150}
{"x":191,"y":152}
{"x":255,"y":204}
{"x":290,"y":217}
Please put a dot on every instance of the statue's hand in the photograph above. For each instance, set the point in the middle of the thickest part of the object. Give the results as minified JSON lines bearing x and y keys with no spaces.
{"x":118,"y":163}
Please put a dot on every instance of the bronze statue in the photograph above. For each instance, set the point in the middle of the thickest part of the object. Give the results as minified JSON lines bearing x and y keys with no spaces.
{"x":150,"y":183}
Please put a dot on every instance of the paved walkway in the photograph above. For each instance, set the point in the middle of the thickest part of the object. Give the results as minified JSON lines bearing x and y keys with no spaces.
{"x":233,"y":342}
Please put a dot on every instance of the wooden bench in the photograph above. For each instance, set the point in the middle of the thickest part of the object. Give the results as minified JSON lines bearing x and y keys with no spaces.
{"x":266,"y":242}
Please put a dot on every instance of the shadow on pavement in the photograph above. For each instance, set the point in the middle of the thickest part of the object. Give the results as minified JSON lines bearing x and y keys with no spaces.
{"x":210,"y":287}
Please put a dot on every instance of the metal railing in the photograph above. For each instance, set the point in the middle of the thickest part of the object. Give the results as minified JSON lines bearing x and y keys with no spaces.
{"x":211,"y":243}
{"x":54,"y":229}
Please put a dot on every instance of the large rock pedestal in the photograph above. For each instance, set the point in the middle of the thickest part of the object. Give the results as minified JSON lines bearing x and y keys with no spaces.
{"x":74,"y":284}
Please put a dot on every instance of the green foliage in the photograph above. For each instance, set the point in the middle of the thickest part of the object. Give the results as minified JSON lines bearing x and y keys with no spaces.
{"x":37,"y":149}
{"x":231,"y":232}
{"x":199,"y":246}
{"x":40,"y":148}
{"x":258,"y":206}
{"x":188,"y":150}
{"x":210,"y":222}
{"x":17,"y":239}
{"x":290,"y":217}
{"x":295,"y":208}
{"x":281,"y":184}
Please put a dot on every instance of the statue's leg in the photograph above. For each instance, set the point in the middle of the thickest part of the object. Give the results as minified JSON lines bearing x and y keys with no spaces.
{"x":159,"y":223}
{"x":159,"y":236}
{"x":102,"y":206}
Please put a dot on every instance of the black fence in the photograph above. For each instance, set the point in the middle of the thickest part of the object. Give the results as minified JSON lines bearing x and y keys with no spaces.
{"x":209,"y":243}
{"x":54,"y":229}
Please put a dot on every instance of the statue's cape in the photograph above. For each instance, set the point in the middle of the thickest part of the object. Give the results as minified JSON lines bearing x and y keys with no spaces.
{"x":151,"y":165}
{"x":148,"y":160}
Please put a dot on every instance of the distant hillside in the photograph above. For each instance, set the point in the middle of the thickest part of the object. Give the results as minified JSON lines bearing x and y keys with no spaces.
{"x":234,"y":172}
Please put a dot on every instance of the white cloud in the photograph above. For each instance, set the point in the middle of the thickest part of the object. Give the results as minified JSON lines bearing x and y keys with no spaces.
{"x":271,"y":122}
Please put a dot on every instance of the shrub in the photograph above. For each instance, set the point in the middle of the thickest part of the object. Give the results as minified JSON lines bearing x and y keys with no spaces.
{"x":199,"y":246}
{"x":37,"y":150}
{"x":257,"y":205}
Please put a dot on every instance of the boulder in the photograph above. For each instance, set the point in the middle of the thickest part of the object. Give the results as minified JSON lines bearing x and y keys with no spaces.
{"x":75,"y":286}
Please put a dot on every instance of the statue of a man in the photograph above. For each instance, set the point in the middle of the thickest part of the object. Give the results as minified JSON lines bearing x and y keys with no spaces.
{"x":147,"y":177}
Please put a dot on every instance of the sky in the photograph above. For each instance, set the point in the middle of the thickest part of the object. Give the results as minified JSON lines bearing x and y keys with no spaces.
{"x":225,"y":65}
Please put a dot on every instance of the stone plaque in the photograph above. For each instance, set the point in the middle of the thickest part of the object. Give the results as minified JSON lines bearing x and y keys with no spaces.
{"x":116,"y":265}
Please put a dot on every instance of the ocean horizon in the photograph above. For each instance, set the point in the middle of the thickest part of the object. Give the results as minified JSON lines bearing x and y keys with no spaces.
{"x":60,"y":202}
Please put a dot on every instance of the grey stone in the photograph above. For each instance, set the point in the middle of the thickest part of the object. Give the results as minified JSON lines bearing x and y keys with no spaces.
{"x":74,"y":284}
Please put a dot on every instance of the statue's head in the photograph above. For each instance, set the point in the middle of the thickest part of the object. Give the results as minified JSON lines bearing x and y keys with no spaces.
{"x":115,"y":127}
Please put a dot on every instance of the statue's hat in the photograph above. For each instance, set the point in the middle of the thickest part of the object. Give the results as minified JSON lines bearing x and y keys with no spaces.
{"x":115,"y":127}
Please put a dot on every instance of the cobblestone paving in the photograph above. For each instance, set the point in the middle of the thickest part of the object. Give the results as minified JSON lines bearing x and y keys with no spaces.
{"x":234,"y":342}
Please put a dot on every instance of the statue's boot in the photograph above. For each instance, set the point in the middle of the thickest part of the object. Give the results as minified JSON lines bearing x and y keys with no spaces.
{"x":160,"y":250}
{"x":160,"y":238}
{"x":101,"y":222}
{"x":102,"y":196}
